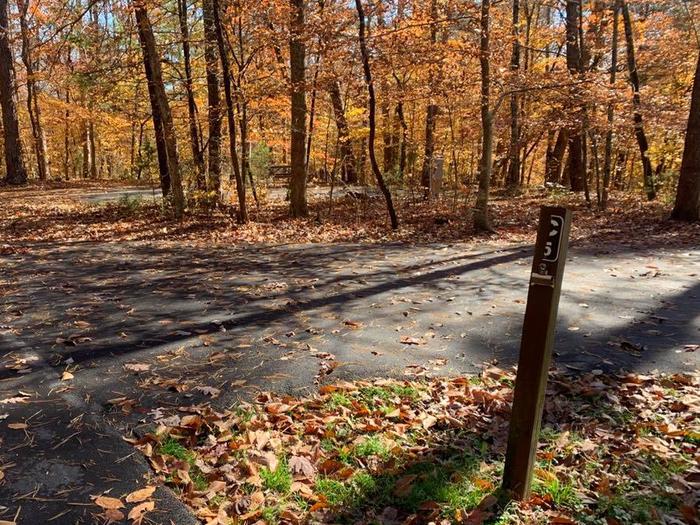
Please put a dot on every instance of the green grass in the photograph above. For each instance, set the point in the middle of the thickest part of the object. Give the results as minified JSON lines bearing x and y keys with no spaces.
{"x":562,"y":493}
{"x":452,"y":484}
{"x":217,"y":500}
{"x":270,"y":515}
{"x":337,"y":400}
{"x":645,"y":488}
{"x":692,"y":437}
{"x":279,"y":480}
{"x":198,"y":480}
{"x":336,"y":492}
{"x":372,"y":446}
{"x":174,"y":448}
{"x":369,"y":395}
{"x":171,"y":447}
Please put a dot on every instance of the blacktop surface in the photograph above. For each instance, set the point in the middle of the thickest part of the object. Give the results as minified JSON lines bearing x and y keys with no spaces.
{"x":95,"y":337}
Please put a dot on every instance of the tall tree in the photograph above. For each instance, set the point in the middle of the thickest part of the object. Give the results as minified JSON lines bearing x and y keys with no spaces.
{"x":228,"y":95}
{"x":554,"y":157}
{"x":513,"y":178}
{"x":211,"y":57}
{"x":195,"y":143}
{"x":16,"y":172}
{"x":372,"y":103}
{"x":687,"y":206}
{"x":431,"y":113}
{"x":639,"y":132}
{"x":482,"y":222}
{"x":161,"y":107}
{"x":607,"y":161}
{"x":576,"y":168}
{"x":297,"y":67}
{"x":347,"y":157}
{"x":33,"y":107}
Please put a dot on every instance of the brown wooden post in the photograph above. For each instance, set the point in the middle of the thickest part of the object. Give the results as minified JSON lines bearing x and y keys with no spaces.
{"x":536,"y":349}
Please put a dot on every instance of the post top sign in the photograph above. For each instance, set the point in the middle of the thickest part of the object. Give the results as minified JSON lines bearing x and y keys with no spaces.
{"x":553,"y":227}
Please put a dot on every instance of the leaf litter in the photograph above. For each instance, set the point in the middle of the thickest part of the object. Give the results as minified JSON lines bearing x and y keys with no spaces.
{"x":614,"y":449}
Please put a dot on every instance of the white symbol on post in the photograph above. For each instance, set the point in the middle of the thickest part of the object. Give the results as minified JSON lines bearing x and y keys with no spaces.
{"x":551,"y":247}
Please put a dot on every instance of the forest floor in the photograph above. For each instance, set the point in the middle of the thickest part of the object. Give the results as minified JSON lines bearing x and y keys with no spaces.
{"x":105,"y":211}
{"x":103,"y":339}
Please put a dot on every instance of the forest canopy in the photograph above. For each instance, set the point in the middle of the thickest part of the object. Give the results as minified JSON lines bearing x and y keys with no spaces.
{"x":206,"y":99}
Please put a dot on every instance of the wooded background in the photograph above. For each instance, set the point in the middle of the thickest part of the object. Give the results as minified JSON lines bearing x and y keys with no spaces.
{"x":203,"y":96}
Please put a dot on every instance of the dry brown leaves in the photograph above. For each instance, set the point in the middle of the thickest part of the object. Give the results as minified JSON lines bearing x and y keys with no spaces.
{"x":35,"y":214}
{"x":353,"y":448}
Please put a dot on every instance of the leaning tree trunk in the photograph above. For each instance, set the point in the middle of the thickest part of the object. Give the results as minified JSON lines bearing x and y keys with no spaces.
{"x":482,"y":221}
{"x":33,"y":109}
{"x":347,"y":163}
{"x":154,"y":76}
{"x":197,"y":155}
{"x":687,"y":206}
{"x":639,"y":133}
{"x":226,"y":75}
{"x":297,"y":67}
{"x":372,"y":103}
{"x":16,"y":172}
{"x":607,"y":162}
{"x":211,"y":57}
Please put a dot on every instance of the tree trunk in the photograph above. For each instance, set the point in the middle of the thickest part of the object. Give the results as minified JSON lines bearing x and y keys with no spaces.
{"x":347,"y":163}
{"x":639,"y":133}
{"x":84,"y":142}
{"x":372,"y":117}
{"x":312,"y":114}
{"x":161,"y":107}
{"x":404,"y":138}
{"x":16,"y":172}
{"x":297,"y":66}
{"x":66,"y":137}
{"x":482,"y":222}
{"x":431,"y":113}
{"x":93,"y":149}
{"x":576,"y":169}
{"x":226,"y":75}
{"x":33,"y":109}
{"x":687,"y":206}
{"x":429,"y":151}
{"x":211,"y":58}
{"x":195,"y":143}
{"x":554,"y":161}
{"x":513,"y":178}
{"x":607,"y":161}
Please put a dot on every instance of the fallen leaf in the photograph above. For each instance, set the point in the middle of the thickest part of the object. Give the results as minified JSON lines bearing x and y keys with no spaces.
{"x":140,"y":495}
{"x":137,"y":367}
{"x":107,"y":502}
{"x":302,"y":467}
{"x":136,"y":514}
{"x":209,"y":390}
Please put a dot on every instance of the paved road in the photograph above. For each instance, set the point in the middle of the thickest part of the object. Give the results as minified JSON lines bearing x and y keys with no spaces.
{"x":132,"y":321}
{"x":273,"y":192}
{"x":116,"y":194}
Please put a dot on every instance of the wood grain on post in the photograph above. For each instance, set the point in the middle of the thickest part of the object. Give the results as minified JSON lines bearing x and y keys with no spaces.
{"x":536,"y":349}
